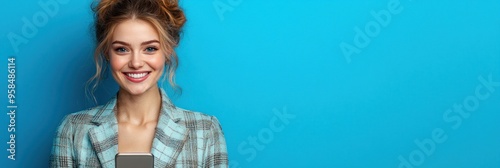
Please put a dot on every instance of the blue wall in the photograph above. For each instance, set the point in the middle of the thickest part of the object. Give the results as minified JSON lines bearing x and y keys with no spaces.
{"x":391,"y":83}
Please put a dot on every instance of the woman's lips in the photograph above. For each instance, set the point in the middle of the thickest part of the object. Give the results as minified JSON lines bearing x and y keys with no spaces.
{"x":136,"y":77}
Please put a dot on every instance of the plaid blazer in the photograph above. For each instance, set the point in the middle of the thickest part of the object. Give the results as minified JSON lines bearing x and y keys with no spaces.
{"x":182,"y":138}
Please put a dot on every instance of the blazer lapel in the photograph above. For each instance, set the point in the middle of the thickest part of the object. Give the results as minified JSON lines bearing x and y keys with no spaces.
{"x":104,"y":137}
{"x":170,"y":136}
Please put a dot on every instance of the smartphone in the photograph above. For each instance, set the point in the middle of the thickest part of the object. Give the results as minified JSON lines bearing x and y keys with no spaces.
{"x":134,"y":160}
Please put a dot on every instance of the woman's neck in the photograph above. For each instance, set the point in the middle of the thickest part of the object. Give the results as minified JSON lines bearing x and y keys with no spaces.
{"x":138,"y":109}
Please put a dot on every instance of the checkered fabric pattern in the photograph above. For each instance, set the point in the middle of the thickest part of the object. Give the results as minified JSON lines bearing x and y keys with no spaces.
{"x":183,"y":138}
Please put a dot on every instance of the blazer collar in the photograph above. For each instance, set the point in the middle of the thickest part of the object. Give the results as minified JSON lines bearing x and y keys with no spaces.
{"x":168,"y":141}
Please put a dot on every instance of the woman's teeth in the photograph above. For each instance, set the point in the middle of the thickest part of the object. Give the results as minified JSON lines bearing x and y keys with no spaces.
{"x":137,"y":75}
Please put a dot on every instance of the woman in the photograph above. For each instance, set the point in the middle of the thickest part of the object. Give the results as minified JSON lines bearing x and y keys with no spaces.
{"x":137,"y":39}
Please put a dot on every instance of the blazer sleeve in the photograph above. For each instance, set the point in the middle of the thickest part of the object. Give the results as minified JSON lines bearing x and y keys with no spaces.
{"x":62,"y":148}
{"x":215,"y":155}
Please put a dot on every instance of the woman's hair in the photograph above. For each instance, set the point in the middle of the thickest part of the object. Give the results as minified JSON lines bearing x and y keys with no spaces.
{"x":164,"y":15}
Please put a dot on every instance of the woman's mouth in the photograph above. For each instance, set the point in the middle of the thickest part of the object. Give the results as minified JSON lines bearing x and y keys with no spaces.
{"x":136,"y":77}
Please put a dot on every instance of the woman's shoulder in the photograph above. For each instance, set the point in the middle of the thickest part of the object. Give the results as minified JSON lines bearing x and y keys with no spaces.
{"x":77,"y":123}
{"x":81,"y":117}
{"x":190,"y":113}
{"x":197,"y":119}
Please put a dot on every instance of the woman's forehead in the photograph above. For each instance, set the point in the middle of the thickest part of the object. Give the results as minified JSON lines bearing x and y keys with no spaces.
{"x":134,"y":31}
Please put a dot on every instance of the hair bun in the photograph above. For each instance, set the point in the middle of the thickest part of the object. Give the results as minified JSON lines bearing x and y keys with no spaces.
{"x":175,"y":14}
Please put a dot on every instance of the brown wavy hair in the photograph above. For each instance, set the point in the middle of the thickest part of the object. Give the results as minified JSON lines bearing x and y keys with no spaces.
{"x":165,"y":15}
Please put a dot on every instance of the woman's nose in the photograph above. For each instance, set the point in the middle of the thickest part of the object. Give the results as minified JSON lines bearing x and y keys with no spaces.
{"x":136,"y":61}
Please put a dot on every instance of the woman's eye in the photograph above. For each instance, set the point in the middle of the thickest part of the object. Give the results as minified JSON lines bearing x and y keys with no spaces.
{"x":151,"y":49}
{"x":120,"y":50}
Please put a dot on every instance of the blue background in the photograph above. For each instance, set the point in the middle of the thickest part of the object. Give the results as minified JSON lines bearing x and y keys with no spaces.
{"x":245,"y":61}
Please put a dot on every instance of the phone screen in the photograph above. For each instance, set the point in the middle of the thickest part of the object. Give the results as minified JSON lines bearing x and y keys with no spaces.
{"x":134,"y":160}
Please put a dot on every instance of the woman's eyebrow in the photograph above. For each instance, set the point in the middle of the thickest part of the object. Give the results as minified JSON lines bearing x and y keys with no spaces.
{"x":149,"y":42}
{"x":120,"y":42}
{"x":143,"y":43}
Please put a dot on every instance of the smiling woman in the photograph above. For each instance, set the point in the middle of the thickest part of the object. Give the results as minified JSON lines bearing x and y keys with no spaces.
{"x":135,"y":56}
{"x":137,"y":40}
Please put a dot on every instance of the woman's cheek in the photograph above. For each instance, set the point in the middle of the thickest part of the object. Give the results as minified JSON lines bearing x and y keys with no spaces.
{"x":116,"y":63}
{"x":159,"y":62}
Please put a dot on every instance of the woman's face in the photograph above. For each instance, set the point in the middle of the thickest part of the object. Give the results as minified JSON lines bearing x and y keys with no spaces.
{"x":135,"y":56}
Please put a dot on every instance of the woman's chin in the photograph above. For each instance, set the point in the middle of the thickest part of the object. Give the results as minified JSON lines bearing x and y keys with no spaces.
{"x":136,"y":91}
